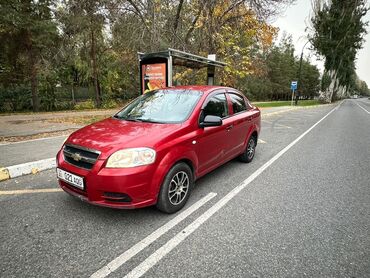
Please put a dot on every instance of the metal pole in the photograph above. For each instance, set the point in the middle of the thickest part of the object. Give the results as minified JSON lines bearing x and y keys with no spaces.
{"x":169,"y":76}
{"x":300,"y":71}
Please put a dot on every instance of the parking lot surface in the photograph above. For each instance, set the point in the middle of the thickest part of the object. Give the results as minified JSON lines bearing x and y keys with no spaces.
{"x":301,"y":208}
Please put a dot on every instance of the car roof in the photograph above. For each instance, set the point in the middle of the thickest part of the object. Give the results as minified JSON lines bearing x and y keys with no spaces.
{"x":200,"y":88}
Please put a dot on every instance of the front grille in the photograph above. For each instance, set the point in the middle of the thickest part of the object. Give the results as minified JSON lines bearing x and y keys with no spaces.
{"x":80,"y":156}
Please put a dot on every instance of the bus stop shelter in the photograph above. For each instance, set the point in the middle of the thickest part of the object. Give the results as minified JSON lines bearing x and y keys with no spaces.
{"x":156,"y":69}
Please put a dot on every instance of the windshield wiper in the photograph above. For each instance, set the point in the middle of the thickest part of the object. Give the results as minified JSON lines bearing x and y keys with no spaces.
{"x":142,"y":120}
{"x":133,"y":119}
{"x":148,"y":120}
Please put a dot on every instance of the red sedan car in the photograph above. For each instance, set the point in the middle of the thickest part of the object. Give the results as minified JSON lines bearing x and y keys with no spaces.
{"x":153,"y":150}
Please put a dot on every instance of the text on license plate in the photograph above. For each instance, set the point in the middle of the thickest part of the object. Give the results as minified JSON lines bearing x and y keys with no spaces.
{"x":70,"y":178}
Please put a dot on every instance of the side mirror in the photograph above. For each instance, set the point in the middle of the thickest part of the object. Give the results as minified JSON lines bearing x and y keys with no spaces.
{"x":210,"y":120}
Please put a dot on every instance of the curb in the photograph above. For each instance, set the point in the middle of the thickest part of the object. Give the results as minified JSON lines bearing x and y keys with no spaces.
{"x":26,"y":168}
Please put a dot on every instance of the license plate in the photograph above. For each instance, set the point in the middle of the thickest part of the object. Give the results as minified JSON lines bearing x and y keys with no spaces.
{"x":71,"y":178}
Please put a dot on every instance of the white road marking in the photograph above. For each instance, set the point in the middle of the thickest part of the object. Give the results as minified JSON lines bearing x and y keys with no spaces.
{"x":154,"y":258}
{"x":368,"y":112}
{"x":32,"y":140}
{"x":261,"y":141}
{"x":127,"y":255}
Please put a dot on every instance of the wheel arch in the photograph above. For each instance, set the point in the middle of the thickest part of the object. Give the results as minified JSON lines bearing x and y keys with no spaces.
{"x":255,"y":135}
{"x":189,"y":163}
{"x":252,"y":132}
{"x":169,"y":161}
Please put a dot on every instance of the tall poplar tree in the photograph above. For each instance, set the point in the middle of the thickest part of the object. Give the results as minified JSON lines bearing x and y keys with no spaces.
{"x":338,"y":35}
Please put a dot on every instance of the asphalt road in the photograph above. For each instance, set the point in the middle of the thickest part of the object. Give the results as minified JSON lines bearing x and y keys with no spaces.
{"x":306,"y":214}
{"x":23,"y":124}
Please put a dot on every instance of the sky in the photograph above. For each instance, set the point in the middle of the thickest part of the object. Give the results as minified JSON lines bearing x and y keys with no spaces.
{"x":295,"y":20}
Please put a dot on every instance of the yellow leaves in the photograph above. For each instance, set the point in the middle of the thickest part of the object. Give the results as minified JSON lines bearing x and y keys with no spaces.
{"x":180,"y":76}
{"x":238,"y":36}
{"x":186,"y":76}
{"x":199,"y":24}
{"x":220,"y":8}
{"x":267,"y":33}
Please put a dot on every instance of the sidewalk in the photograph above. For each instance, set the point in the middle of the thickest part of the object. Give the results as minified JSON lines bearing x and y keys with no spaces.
{"x":37,"y":123}
{"x":14,"y":154}
{"x":22,"y":152}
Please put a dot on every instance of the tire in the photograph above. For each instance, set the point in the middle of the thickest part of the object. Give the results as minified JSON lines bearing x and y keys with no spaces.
{"x":175,"y":189}
{"x":248,"y":155}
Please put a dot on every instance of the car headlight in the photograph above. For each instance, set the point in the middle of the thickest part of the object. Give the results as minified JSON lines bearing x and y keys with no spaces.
{"x":128,"y":158}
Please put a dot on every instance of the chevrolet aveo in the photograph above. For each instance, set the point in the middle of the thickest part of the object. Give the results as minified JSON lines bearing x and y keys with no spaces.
{"x":152,"y":151}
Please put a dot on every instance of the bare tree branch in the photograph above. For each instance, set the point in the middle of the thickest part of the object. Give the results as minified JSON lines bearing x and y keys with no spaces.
{"x":179,"y":8}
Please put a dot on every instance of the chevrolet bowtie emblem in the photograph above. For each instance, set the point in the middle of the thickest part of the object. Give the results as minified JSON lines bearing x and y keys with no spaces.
{"x":76,"y":157}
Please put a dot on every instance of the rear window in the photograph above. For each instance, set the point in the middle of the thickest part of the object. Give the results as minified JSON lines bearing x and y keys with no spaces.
{"x":238,"y":103}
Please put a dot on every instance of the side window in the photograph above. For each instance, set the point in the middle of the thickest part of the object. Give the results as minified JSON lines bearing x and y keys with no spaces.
{"x":238,"y":103}
{"x":216,"y":106}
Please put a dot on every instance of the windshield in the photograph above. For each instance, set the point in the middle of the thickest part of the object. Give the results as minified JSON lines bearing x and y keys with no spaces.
{"x":161,"y":106}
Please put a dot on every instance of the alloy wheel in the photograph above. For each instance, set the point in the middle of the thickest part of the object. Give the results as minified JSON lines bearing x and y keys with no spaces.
{"x":251,"y":148}
{"x":178,"y":188}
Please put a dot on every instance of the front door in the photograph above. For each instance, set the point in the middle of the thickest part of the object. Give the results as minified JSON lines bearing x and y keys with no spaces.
{"x":212,"y":141}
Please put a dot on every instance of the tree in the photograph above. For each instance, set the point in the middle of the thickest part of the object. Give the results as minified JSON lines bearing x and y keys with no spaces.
{"x":338,"y":35}
{"x":82,"y":23}
{"x":62,"y":49}
{"x":278,"y":67}
{"x":28,"y":35}
{"x":230,"y":29}
{"x":360,"y":87}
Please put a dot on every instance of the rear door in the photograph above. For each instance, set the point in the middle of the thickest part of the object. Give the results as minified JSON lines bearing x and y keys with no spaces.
{"x":212,"y":141}
{"x":241,"y":121}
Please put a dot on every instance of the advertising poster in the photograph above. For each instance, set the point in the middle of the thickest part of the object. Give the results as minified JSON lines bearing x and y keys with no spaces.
{"x":153,"y":76}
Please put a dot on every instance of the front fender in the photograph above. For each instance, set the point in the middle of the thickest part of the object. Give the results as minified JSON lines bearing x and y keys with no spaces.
{"x":174,"y":155}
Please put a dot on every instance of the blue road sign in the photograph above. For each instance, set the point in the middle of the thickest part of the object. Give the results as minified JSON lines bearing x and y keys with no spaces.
{"x":293,"y":85}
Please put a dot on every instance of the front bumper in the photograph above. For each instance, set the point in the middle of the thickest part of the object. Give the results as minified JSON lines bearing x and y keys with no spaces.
{"x":116,"y":188}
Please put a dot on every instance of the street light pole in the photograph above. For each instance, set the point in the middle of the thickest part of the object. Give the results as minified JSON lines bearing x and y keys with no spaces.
{"x":300,"y":73}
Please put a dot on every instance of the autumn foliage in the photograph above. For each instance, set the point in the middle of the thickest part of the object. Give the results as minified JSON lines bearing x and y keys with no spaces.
{"x":56,"y":53}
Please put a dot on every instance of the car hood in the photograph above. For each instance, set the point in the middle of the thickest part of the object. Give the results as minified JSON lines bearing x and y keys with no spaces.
{"x":111,"y":134}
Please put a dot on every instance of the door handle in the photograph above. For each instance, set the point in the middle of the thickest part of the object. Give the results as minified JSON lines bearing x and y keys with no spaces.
{"x":229,"y":127}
